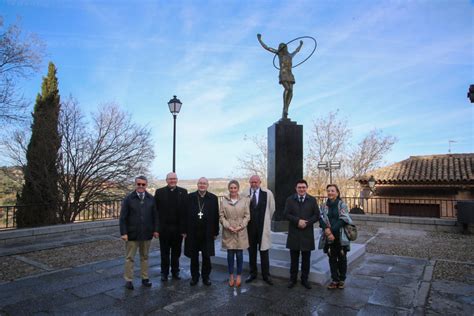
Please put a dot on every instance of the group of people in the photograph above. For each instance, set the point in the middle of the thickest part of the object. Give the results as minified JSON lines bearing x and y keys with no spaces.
{"x":173,"y":215}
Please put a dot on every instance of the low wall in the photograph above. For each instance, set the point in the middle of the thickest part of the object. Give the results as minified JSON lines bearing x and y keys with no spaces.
{"x":31,"y":234}
{"x":423,"y":223}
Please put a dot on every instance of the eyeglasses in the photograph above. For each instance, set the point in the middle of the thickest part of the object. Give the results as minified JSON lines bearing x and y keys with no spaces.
{"x":141,"y":184}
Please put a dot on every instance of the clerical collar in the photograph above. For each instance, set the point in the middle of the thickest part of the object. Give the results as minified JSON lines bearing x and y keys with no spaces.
{"x":202,"y":195}
{"x":172,"y":189}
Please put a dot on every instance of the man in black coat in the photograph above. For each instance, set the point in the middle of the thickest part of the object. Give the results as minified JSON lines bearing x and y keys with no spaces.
{"x":302,"y":210}
{"x":201,"y":230}
{"x":138,"y":225}
{"x":171,"y":206}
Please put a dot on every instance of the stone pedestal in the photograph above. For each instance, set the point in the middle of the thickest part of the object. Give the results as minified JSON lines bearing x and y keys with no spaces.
{"x":285,"y":165}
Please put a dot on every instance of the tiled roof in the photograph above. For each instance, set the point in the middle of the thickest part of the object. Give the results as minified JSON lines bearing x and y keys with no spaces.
{"x":436,"y":169}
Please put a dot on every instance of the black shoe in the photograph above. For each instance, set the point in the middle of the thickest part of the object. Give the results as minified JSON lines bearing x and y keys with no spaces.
{"x":164,"y":278}
{"x":250,"y":278}
{"x":206,"y":282}
{"x":306,"y":285}
{"x":129,"y":285}
{"x":291,"y":284}
{"x":146,"y":282}
{"x":176,"y":276}
{"x":193,"y":282}
{"x":268,"y":280}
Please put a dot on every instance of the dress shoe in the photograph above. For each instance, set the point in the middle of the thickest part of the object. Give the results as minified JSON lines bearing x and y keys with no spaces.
{"x":250,"y":278}
{"x":164,"y":278}
{"x":206,"y":282}
{"x":146,"y":282}
{"x":129,"y":285}
{"x":268,"y":281}
{"x":238,"y":281}
{"x":306,"y":285}
{"x":193,"y":282}
{"x":176,"y":277}
{"x":291,"y":284}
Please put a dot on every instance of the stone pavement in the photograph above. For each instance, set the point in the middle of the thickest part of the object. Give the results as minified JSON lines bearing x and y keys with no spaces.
{"x":384,"y":281}
{"x":376,"y":285}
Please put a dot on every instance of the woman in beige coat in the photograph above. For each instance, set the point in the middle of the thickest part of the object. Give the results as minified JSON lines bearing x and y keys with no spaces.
{"x":234,"y":215}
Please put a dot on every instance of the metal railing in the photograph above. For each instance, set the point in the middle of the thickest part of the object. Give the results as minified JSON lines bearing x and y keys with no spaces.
{"x":401,"y":206}
{"x":110,"y":209}
{"x":96,"y":210}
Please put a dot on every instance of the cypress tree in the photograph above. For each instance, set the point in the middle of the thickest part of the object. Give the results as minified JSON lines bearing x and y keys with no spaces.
{"x":39,"y":198}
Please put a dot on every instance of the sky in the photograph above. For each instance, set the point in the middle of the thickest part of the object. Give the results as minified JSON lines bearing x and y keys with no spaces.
{"x":400,"y":66}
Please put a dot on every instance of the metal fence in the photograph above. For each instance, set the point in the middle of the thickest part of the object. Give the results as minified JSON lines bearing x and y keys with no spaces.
{"x":400,"y":206}
{"x":97,"y":210}
{"x":444,"y":208}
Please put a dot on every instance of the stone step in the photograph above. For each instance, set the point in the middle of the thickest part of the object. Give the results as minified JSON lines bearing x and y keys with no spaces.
{"x":280,"y":261}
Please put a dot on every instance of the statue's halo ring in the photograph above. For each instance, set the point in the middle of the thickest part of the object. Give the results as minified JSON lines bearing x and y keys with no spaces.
{"x":298,"y":38}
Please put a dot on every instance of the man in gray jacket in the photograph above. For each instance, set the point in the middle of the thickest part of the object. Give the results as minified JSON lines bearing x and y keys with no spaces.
{"x":138,"y":225}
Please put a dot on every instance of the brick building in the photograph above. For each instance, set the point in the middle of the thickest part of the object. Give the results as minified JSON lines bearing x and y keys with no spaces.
{"x":422,"y":186}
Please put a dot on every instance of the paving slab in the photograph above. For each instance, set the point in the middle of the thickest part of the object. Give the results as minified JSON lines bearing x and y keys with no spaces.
{"x":376,"y":285}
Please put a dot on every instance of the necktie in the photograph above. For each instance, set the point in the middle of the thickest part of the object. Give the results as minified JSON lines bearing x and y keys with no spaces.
{"x":301,"y":199}
{"x":253,"y":201}
{"x":141,"y":195}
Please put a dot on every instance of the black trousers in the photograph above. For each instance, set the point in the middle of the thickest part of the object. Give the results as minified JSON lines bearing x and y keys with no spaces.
{"x":305,"y":261}
{"x":170,"y":244}
{"x":205,"y":268}
{"x":337,"y":261}
{"x":264,"y":261}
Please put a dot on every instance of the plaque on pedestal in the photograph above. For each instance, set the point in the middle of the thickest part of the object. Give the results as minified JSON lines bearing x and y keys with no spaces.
{"x":285,"y":165}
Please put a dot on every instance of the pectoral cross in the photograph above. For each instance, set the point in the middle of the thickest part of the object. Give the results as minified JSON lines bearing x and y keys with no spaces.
{"x":200,"y":214}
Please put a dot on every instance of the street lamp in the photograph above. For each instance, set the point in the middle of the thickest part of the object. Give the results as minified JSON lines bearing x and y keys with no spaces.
{"x":329,"y":166}
{"x":175,"y":106}
{"x":371,"y":183}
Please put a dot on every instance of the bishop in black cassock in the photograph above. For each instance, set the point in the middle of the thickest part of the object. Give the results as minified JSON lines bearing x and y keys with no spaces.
{"x":202,"y":228}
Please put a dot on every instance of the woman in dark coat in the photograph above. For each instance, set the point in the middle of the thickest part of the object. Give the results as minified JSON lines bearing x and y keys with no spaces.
{"x":333,"y":240}
{"x":202,"y":228}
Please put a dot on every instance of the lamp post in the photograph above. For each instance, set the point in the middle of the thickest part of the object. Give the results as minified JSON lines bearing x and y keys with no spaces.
{"x":329,"y":166}
{"x":174,"y":106}
{"x":371,"y":183}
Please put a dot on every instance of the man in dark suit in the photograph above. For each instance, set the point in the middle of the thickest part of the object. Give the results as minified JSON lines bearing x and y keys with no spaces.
{"x":138,"y":225}
{"x":302,"y":210}
{"x":171,"y":206}
{"x":201,"y":230}
{"x":262,"y":207}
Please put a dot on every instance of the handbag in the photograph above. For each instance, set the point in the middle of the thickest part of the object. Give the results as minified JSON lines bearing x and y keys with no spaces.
{"x":351,"y":232}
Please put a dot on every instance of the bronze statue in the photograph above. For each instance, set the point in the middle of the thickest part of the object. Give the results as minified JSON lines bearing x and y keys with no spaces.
{"x":287,"y":80}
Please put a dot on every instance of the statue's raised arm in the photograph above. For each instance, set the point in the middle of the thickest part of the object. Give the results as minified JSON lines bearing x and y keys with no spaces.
{"x":297,"y":49}
{"x":273,"y":50}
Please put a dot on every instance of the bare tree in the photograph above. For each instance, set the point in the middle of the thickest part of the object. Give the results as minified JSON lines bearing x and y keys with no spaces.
{"x":97,"y":158}
{"x":20,"y":56}
{"x":329,"y":137}
{"x":255,"y":163}
{"x":369,"y":153}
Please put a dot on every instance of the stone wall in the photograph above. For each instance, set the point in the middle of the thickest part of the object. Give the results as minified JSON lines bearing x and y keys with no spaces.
{"x":32,"y":234}
{"x":428,"y":224}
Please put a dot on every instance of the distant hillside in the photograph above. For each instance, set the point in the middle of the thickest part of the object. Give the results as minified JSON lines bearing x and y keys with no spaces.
{"x":11,"y":181}
{"x":217,"y":186}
